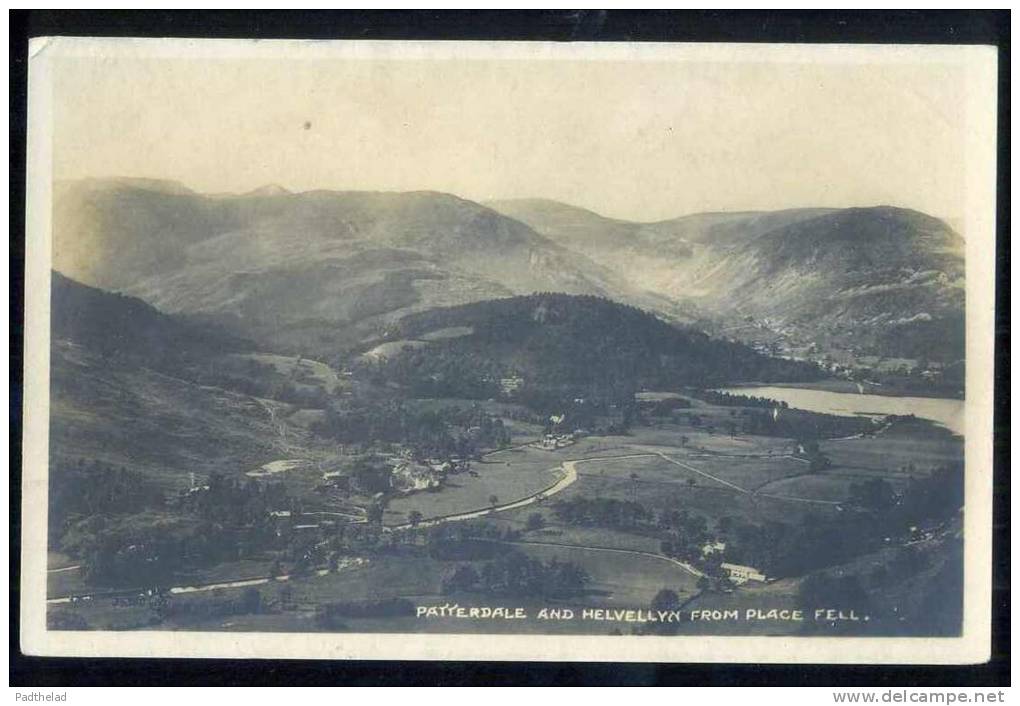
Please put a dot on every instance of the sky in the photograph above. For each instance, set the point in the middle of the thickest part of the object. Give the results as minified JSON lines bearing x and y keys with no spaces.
{"x":639,"y":140}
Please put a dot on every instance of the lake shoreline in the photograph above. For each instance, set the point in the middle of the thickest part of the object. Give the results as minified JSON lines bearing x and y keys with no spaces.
{"x":945,"y":412}
{"x":847,"y":386}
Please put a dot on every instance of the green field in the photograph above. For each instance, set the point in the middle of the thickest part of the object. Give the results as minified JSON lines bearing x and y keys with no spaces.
{"x":509,"y":475}
{"x":620,"y":579}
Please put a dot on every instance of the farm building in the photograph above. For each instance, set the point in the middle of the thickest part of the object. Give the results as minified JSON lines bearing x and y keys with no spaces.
{"x":742,"y":574}
{"x":410,"y":477}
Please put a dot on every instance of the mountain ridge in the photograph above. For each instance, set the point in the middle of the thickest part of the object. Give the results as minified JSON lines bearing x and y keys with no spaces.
{"x":315,"y":269}
{"x":839,"y":277}
{"x":321,"y":257}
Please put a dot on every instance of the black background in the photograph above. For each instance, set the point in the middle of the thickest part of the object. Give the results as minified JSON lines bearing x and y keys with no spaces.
{"x":875,"y":27}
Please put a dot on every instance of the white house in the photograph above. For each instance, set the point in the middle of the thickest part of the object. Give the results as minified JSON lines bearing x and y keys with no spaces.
{"x":742,"y":574}
{"x":713,"y":548}
{"x":410,"y":477}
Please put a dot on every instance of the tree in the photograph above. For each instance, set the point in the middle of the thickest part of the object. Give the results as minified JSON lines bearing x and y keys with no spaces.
{"x":286,"y":596}
{"x":876,"y":495}
{"x":665,"y":600}
{"x":463,"y":578}
{"x":414,"y":517}
{"x":374,"y":513}
{"x":536,"y":521}
{"x":251,"y":600}
{"x":493,"y":499}
{"x":301,"y":567}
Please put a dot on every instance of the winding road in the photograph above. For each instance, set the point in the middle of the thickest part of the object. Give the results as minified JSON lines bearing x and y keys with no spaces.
{"x":204,"y":587}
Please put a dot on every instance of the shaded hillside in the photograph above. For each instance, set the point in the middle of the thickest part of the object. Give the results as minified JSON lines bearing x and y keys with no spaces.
{"x":290,"y":269}
{"x":124,"y":328}
{"x":861,"y":239}
{"x":879,"y":281}
{"x":875,"y":281}
{"x":125,"y":390}
{"x":558,"y":342}
{"x":159,"y":425}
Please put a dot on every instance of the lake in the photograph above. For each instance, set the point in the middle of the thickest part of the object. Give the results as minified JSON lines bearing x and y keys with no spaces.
{"x":946,"y":412}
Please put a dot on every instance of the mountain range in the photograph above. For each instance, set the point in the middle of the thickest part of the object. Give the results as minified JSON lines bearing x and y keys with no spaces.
{"x":873,"y":281}
{"x":319,"y":270}
{"x":310,"y":270}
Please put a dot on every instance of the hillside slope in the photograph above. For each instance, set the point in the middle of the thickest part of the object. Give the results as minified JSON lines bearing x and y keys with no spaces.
{"x":289,"y":269}
{"x":585,"y":345}
{"x":123,"y":391}
{"x":126,"y":329}
{"x":870,"y":281}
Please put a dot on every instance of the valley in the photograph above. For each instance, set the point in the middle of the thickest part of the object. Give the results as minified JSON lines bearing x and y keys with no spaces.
{"x":325,"y":411}
{"x":713,"y":477}
{"x":873,"y":294}
{"x":680,"y":474}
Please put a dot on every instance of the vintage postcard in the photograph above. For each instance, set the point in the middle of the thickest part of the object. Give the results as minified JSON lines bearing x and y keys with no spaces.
{"x":518,"y":351}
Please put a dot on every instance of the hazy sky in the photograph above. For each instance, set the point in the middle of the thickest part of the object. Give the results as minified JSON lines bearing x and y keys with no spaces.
{"x":636,"y":140}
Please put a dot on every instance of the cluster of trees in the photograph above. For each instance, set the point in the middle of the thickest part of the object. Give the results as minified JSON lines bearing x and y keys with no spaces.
{"x":665,"y":407}
{"x":125,"y":534}
{"x":810,"y":450}
{"x":684,"y":534}
{"x":575,"y":345}
{"x":87,"y":488}
{"x":369,"y":474}
{"x":445,"y":432}
{"x":148,"y":549}
{"x":516,"y":574}
{"x":439,"y":370}
{"x":601,"y":409}
{"x":798,"y":424}
{"x":467,"y":540}
{"x":235,"y":500}
{"x":925,"y":500}
{"x":726,"y":399}
{"x":603,"y":512}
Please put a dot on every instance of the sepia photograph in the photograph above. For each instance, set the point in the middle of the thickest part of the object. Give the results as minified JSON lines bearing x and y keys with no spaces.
{"x":520,"y":350}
